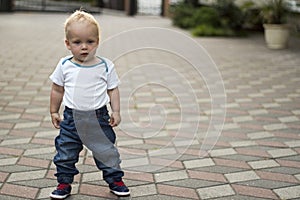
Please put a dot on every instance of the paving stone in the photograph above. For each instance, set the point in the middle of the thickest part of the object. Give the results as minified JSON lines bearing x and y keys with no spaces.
{"x":239,"y":197}
{"x":289,"y":119}
{"x":271,"y":143}
{"x":6,"y":197}
{"x":243,"y":143}
{"x":45,"y":192}
{"x":260,"y":135}
{"x":263,"y":164}
{"x":193,"y":183}
{"x":98,"y":191}
{"x":148,"y":177}
{"x":27,"y":125}
{"x":283,"y":170}
{"x":15,"y":141}
{"x":277,"y":153}
{"x":288,"y":192}
{"x":143,"y":190}
{"x":289,"y":162}
{"x":241,"y":176}
{"x":258,"y":112}
{"x":267,"y":184}
{"x":134,"y":162}
{"x":38,"y":183}
{"x":254,"y":191}
{"x":297,"y":176}
{"x":220,"y":169}
{"x":222,"y":152}
{"x":198,"y":163}
{"x":160,"y":197}
{"x":207,"y":176}
{"x":93,"y":176}
{"x":19,"y":191}
{"x":215,"y":192}
{"x":8,"y":161}
{"x":273,"y":127}
{"x":293,"y":144}
{"x":19,"y":176}
{"x":173,"y":175}
{"x":241,"y":158}
{"x":177,"y":191}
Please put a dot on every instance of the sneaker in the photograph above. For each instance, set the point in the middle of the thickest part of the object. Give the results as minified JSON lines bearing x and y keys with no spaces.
{"x":119,"y":188}
{"x":62,"y":191}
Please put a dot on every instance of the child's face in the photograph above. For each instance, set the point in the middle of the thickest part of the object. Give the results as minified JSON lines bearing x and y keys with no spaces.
{"x":82,"y":40}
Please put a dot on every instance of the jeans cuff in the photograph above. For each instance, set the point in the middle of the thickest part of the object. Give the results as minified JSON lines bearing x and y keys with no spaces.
{"x":65,"y":179}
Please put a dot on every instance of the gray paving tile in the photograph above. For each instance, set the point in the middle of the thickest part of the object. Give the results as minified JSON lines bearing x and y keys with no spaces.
{"x":173,"y":175}
{"x":39,"y":183}
{"x":160,"y":197}
{"x":193,"y":183}
{"x":268,"y":184}
{"x":31,"y":175}
{"x":239,"y":197}
{"x":292,"y":192}
{"x":284,"y":170}
{"x":241,"y":176}
{"x":143,"y":190}
{"x":260,"y":164}
{"x":215,"y":191}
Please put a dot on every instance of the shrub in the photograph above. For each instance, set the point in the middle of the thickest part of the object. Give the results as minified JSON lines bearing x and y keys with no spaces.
{"x":231,"y":15}
{"x":182,"y":15}
{"x":206,"y":15}
{"x":252,"y":16}
{"x":208,"y":30}
{"x":222,"y":19}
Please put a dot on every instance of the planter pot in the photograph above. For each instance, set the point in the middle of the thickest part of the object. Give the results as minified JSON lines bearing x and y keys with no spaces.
{"x":277,"y":35}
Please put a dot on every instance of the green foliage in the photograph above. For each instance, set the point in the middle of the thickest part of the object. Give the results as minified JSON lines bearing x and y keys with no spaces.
{"x":222,"y":19}
{"x":252,"y":16}
{"x":182,"y":15}
{"x":275,"y":12}
{"x":231,"y":15}
{"x":206,"y":15}
{"x":208,"y":30}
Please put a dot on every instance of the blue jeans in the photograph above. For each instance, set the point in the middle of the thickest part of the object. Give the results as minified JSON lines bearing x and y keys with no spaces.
{"x":69,"y":144}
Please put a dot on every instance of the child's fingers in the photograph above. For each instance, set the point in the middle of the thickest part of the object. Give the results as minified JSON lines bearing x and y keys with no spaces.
{"x":56,"y":120}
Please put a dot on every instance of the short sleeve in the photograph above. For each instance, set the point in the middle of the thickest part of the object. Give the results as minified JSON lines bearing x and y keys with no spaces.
{"x":57,"y":76}
{"x":112,"y":77}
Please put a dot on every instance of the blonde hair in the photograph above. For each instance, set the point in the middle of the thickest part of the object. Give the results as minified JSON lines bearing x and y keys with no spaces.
{"x":81,"y":16}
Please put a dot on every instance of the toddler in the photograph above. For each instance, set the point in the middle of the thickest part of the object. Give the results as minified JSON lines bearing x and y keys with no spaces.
{"x":85,"y":84}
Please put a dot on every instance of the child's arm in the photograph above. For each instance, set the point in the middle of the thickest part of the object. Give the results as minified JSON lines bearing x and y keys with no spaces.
{"x":56,"y":96}
{"x":114,"y":96}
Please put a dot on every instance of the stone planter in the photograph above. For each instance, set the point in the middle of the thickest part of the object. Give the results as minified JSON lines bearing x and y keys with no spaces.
{"x":277,"y":35}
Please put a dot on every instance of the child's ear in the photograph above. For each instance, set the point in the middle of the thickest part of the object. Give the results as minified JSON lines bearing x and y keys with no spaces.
{"x":67,"y":43}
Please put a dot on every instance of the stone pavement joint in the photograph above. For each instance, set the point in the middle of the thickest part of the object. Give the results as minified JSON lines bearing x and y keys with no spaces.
{"x":256,"y":156}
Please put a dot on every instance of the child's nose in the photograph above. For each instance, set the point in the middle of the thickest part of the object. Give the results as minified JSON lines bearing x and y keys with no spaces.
{"x":84,"y":46}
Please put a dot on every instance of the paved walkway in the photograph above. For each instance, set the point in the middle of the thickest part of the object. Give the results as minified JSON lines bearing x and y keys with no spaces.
{"x":173,"y":109}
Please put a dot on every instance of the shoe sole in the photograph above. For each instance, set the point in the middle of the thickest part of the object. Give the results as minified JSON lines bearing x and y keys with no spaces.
{"x":120,"y":194}
{"x":59,"y":197}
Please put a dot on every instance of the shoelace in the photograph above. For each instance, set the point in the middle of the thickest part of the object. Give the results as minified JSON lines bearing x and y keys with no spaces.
{"x":62,"y":186}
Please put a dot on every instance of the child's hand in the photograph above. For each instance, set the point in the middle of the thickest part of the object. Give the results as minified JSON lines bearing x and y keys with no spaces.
{"x":115,"y":119}
{"x":55,"y":120}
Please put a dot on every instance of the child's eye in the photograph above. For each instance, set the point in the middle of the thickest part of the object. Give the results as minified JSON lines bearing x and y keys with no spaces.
{"x":90,"y":41}
{"x":76,"y":42}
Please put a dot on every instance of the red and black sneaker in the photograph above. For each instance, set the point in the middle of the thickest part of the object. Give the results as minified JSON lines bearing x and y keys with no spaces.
{"x":119,"y":188}
{"x":62,"y":191}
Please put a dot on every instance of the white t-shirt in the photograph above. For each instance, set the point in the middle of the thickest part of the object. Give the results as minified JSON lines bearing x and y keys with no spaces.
{"x":85,"y":86}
